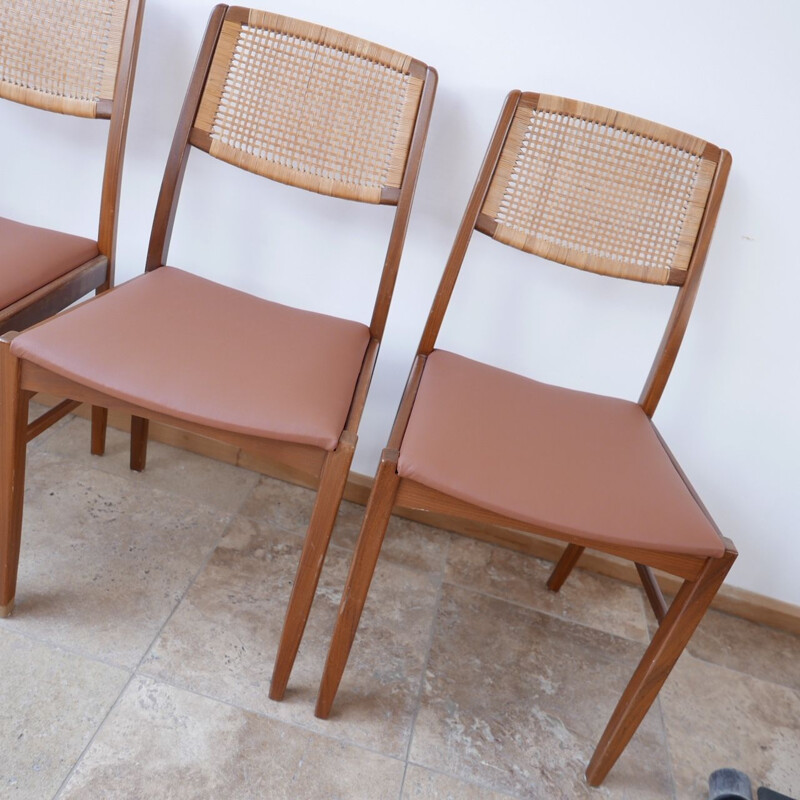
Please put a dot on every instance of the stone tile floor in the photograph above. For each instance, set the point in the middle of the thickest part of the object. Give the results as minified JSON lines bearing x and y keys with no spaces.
{"x":137,"y":662}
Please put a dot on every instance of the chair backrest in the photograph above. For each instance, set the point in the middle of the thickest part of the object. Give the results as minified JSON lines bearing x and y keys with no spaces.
{"x":306,"y":106}
{"x":598,"y":190}
{"x":62,"y":55}
{"x":76,"y":57}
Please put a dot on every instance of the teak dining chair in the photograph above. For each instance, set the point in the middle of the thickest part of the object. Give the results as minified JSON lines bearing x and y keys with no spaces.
{"x":74,"y":57}
{"x":611,"y":194}
{"x":306,"y":106}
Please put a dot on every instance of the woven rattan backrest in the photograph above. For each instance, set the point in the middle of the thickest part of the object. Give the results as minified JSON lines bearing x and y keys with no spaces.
{"x":309,"y":106}
{"x":599,"y":190}
{"x":61,"y":55}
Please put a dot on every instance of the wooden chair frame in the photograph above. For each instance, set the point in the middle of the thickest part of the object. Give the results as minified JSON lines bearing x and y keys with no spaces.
{"x":97,"y":274}
{"x":21,"y":379}
{"x":702,"y":576}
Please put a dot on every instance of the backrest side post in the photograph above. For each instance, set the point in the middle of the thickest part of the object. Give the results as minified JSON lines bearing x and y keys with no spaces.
{"x":476,"y":201}
{"x":176,"y":164}
{"x":403,"y":210}
{"x":117,"y":134}
{"x":681,"y":310}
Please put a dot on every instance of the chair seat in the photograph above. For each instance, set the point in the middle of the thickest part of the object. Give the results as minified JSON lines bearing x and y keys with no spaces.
{"x":570,"y":462}
{"x":256,"y":367}
{"x":32,"y":257}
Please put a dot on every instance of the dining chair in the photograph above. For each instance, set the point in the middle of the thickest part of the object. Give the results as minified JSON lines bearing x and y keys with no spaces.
{"x":306,"y":106}
{"x":611,"y":194}
{"x":74,"y":57}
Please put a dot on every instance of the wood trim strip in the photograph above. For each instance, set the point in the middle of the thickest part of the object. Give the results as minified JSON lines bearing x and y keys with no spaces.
{"x":55,"y":296}
{"x":415,"y":495}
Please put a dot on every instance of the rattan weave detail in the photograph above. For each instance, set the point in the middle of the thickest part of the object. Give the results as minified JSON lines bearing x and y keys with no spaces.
{"x":60,"y":55}
{"x":310,"y":106}
{"x":599,"y":190}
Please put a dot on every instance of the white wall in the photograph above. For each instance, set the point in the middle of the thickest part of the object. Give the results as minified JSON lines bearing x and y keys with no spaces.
{"x":725,"y":70}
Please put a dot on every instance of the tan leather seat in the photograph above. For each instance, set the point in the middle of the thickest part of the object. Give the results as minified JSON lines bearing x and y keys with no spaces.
{"x":301,"y":367}
{"x":32,"y":257}
{"x":579,"y":463}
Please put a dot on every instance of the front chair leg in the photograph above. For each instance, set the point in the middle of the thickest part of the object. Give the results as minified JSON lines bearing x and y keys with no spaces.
{"x":13,"y":440}
{"x":139,"y":429}
{"x":673,"y":634}
{"x":99,"y":425}
{"x":569,"y":558}
{"x":362,"y":568}
{"x":329,"y":496}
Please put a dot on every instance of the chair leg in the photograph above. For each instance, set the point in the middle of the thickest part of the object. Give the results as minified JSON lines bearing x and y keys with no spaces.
{"x":13,"y":441}
{"x":569,"y":558}
{"x":99,"y":425}
{"x":362,"y":568}
{"x":653,"y":591}
{"x":673,"y":634}
{"x":323,"y":517}
{"x":139,"y":429}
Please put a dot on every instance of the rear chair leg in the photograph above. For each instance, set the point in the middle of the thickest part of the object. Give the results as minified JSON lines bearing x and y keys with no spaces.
{"x":673,"y":634}
{"x":569,"y":558}
{"x":653,"y":591}
{"x":362,"y":568}
{"x":323,"y":517}
{"x":13,"y":441}
{"x":99,"y":425}
{"x":139,"y":428}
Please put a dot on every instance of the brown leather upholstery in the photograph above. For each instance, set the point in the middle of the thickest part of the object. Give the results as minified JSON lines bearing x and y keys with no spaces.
{"x":31,"y":257}
{"x":569,"y":461}
{"x":263,"y":368}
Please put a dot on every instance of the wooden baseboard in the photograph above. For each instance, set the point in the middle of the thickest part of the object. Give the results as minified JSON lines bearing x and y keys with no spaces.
{"x":730,"y":599}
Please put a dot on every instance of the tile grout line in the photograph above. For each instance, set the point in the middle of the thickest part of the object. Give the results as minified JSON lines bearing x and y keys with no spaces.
{"x":426,"y":661}
{"x":305,"y":728}
{"x":73,"y":651}
{"x":518,"y":604}
{"x":670,"y":766}
{"x":134,"y":673}
{"x":470,"y":782}
{"x":93,"y":737}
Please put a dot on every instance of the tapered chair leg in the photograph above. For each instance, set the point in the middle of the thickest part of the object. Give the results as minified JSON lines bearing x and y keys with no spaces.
{"x":323,"y":517}
{"x":569,"y":558}
{"x":139,"y":430}
{"x":99,"y":425}
{"x":13,"y":423}
{"x":673,"y":634}
{"x":653,"y":591}
{"x":362,"y":568}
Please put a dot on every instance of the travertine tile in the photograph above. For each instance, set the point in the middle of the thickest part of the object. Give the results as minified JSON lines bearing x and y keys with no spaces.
{"x":51,"y":703}
{"x":719,"y":718}
{"x":223,"y":638}
{"x":289,"y":507}
{"x":422,"y":784}
{"x":594,"y":600}
{"x":278,"y":504}
{"x":745,"y":646}
{"x":105,"y":560}
{"x":161,"y":742}
{"x":169,"y":469}
{"x":517,"y":700}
